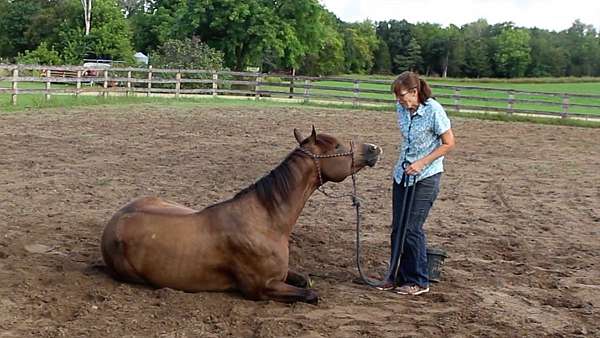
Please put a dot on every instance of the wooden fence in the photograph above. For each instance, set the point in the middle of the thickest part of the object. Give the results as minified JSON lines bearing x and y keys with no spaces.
{"x":76,"y":80}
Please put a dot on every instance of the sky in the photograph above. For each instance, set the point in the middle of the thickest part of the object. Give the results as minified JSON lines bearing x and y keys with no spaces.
{"x":554,"y":15}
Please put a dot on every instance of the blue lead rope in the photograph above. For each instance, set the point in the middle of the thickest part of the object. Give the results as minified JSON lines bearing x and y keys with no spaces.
{"x":407,"y":204}
{"x":398,"y":247}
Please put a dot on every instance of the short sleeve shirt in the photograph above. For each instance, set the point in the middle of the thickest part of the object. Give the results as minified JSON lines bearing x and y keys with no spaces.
{"x":420,"y":136}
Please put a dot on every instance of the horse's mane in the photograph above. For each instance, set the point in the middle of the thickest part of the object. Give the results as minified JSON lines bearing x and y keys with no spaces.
{"x":275,"y":185}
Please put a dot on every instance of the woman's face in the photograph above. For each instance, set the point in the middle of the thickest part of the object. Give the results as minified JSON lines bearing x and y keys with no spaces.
{"x":408,"y":98}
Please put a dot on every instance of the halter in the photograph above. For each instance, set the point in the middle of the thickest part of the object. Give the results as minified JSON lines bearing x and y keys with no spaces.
{"x":316,"y":158}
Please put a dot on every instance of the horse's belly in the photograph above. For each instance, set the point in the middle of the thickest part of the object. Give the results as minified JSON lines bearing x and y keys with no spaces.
{"x":175,"y":252}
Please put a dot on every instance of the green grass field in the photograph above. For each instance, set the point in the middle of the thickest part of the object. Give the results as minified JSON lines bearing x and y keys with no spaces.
{"x":592,"y":88}
{"x":66,"y":102}
{"x":582,"y":87}
{"x":586,"y":88}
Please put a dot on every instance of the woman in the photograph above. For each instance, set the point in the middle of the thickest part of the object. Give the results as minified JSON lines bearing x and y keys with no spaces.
{"x":426,"y":138}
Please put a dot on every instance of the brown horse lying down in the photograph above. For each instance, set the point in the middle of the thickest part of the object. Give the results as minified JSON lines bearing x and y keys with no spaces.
{"x":241,"y":243}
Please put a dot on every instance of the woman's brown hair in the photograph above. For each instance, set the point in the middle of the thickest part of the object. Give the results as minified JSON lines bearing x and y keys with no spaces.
{"x":409,"y":80}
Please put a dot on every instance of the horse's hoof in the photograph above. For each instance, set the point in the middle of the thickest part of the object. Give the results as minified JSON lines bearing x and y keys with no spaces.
{"x":311,"y":297}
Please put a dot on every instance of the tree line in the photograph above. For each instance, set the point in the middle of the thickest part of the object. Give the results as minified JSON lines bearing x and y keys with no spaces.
{"x":281,"y":35}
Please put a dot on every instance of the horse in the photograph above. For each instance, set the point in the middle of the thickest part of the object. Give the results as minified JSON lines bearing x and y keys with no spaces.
{"x":238,"y":244}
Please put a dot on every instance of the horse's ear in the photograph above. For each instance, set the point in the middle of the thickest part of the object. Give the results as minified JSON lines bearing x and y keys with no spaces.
{"x":298,"y":136}
{"x":313,"y":135}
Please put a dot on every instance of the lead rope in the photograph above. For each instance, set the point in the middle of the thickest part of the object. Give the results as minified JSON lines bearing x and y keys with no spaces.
{"x":356,"y":203}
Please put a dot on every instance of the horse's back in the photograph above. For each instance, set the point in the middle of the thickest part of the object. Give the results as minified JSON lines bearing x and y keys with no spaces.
{"x":163,"y":243}
{"x":157,"y":205}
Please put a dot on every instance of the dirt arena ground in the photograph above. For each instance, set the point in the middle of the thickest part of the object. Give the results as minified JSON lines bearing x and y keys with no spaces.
{"x":519,"y":215}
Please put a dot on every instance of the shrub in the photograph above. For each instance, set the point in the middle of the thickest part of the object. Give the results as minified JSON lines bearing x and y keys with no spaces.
{"x":40,"y":56}
{"x":187,"y":54}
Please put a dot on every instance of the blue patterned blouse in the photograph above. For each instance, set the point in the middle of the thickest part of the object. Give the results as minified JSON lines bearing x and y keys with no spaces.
{"x":421,"y":136}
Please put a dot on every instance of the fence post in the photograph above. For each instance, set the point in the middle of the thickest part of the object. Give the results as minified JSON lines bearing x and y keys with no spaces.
{"x":177,"y":84}
{"x":511,"y":101}
{"x":149,"y":90}
{"x":48,"y":85}
{"x":215,"y":78}
{"x":105,"y":84}
{"x":456,"y":97}
{"x":128,"y":92}
{"x":15,"y":89}
{"x":356,"y":94}
{"x":565,"y":106}
{"x":78,"y":85}
{"x":257,"y":87}
{"x":306,"y":90}
{"x":292,"y":83}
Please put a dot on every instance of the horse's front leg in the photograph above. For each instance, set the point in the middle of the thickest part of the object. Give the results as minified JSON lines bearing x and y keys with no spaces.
{"x":298,"y":279}
{"x":283,"y":292}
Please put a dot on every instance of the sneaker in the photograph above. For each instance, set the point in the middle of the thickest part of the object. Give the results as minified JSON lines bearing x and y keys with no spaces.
{"x":386,"y":286}
{"x":411,"y":289}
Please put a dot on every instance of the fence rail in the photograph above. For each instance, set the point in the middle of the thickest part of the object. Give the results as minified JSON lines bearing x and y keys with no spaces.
{"x":18,"y":80}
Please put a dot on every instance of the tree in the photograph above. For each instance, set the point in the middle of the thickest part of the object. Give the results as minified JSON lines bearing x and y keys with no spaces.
{"x":455,"y":57}
{"x":87,"y":15}
{"x":329,"y":57}
{"x":513,"y":54}
{"x":16,"y":18}
{"x":412,"y":60}
{"x":109,"y":37}
{"x":154,"y":26}
{"x":477,"y":58}
{"x":434,"y":46}
{"x":583,"y":46}
{"x":273,"y":34}
{"x":360,"y":43}
{"x":286,"y":34}
{"x":132,"y":7}
{"x":187,"y":53}
{"x":73,"y":45}
{"x":25,"y":24}
{"x":397,"y":35}
{"x":305,"y":26}
{"x":382,"y":61}
{"x":548,"y":58}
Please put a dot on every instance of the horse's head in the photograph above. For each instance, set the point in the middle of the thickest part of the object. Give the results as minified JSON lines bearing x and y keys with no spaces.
{"x":337,"y":160}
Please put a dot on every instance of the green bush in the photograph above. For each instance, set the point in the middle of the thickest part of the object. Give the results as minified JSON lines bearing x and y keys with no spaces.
{"x":40,"y":56}
{"x":187,"y":54}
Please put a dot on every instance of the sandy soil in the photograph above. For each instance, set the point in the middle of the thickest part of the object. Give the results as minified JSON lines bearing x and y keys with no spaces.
{"x":518,"y":214}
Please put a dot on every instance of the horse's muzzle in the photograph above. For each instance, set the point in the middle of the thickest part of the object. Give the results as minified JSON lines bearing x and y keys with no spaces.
{"x":371,"y":154}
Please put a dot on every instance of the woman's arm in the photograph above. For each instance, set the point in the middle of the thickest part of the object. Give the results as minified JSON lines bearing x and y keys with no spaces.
{"x":447,"y":145}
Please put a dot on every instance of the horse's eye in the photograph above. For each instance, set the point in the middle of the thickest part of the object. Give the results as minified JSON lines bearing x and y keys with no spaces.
{"x":338,"y":146}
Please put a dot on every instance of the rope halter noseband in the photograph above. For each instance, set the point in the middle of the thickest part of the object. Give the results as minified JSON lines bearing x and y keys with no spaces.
{"x":316,"y":157}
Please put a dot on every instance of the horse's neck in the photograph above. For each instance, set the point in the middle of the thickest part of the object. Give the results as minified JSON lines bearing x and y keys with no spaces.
{"x":287,"y":212}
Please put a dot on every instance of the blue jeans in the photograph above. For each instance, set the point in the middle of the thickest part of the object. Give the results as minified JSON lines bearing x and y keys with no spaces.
{"x":413,"y":262}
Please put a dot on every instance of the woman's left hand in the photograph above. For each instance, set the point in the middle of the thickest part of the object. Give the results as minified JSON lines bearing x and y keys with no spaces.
{"x":415,"y":168}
